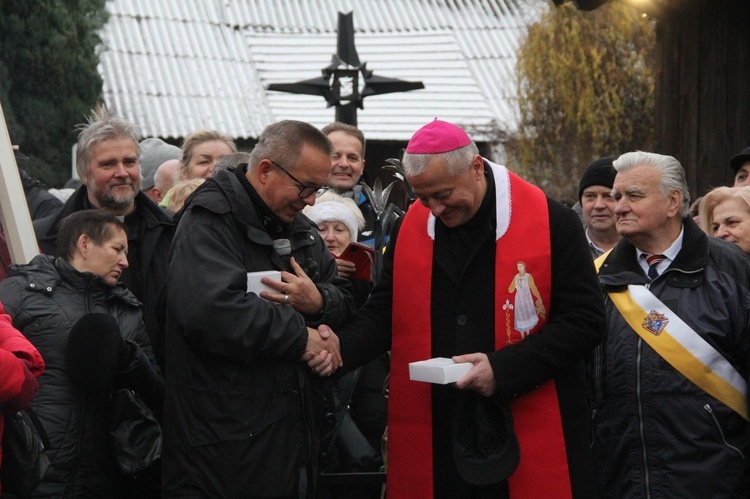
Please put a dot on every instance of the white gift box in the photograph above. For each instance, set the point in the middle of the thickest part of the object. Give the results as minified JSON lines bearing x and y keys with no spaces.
{"x":255,"y":286}
{"x":439,"y":370}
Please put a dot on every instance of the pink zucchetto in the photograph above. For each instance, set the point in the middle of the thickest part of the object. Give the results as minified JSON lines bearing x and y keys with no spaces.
{"x":437,"y":137}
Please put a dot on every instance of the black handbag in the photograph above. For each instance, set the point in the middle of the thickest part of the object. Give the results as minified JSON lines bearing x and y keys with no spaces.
{"x":345,"y":448}
{"x":135,"y":432}
{"x":24,"y":461}
{"x":354,"y":453}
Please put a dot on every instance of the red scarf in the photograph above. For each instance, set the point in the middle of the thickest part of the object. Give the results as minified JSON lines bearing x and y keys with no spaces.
{"x":543,"y":469}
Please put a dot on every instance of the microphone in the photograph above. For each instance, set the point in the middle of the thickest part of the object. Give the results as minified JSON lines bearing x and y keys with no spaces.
{"x":282,"y":247}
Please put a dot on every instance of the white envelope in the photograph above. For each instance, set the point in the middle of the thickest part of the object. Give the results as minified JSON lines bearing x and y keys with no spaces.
{"x":255,"y":286}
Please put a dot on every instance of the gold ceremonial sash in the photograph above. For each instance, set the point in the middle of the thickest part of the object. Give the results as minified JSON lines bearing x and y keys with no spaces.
{"x":680,"y":345}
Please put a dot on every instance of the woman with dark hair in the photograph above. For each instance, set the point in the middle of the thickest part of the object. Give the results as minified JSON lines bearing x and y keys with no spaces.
{"x":89,"y":329}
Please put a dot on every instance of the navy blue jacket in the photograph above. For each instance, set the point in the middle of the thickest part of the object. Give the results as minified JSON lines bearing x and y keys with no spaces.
{"x":656,"y":434}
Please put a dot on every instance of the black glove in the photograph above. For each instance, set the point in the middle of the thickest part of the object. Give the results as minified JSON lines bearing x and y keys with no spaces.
{"x":96,"y":349}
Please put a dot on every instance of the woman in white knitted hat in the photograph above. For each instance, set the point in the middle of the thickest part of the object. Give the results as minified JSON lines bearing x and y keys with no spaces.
{"x":339,"y":221}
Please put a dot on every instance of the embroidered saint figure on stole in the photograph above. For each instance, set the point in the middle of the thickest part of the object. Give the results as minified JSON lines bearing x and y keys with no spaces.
{"x":528,"y":305}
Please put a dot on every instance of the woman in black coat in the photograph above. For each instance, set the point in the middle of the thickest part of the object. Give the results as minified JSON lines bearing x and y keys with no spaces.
{"x":63,"y":305}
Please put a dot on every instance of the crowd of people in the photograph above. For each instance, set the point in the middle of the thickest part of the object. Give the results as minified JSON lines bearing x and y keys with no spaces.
{"x":606,"y":355}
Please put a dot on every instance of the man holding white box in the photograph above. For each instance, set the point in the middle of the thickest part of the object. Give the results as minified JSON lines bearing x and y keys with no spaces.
{"x":480,"y":246}
{"x":240,"y":407}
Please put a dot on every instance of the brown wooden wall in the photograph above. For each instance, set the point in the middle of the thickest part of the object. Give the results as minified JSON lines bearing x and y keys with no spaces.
{"x":703,"y":87}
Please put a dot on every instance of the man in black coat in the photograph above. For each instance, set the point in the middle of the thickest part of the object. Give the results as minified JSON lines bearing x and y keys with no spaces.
{"x":107,"y":161}
{"x":489,"y":271}
{"x":240,"y":415}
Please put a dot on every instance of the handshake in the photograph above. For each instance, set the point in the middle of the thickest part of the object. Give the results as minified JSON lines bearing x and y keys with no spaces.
{"x":323,"y":351}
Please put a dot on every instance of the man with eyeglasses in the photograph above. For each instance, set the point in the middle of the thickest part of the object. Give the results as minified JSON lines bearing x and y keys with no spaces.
{"x":241,"y":406}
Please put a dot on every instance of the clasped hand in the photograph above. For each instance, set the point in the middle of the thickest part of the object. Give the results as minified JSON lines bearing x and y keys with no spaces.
{"x":323,"y":352}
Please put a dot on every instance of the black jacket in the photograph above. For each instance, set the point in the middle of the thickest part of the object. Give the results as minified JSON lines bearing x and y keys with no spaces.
{"x":45,"y":298}
{"x":157,"y":231}
{"x":239,"y":420}
{"x":656,"y":433}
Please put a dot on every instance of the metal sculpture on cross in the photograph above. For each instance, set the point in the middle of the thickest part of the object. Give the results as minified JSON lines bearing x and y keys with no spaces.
{"x":340,"y":83}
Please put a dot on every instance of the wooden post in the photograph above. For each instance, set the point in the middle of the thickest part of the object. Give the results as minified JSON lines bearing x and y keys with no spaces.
{"x":14,"y":212}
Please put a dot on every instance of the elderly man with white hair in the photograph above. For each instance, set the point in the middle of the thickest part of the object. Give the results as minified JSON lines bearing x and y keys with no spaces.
{"x":670,"y":381}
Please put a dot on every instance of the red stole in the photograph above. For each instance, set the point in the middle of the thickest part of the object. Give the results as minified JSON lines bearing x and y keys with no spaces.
{"x":543,"y":470}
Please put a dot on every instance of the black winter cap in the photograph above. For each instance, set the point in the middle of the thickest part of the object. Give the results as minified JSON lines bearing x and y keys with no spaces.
{"x":600,"y":172}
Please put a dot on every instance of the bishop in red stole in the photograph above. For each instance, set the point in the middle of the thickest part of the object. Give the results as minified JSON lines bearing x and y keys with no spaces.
{"x":536,"y":416}
{"x":516,"y":289}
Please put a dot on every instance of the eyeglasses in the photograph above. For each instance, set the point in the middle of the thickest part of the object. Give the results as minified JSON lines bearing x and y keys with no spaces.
{"x":304,"y":190}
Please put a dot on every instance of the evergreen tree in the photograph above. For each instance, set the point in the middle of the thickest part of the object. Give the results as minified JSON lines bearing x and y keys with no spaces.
{"x":48,"y":78}
{"x":586,"y":90}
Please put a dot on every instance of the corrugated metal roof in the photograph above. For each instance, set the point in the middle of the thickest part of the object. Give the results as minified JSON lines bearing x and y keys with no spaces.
{"x":175,"y":66}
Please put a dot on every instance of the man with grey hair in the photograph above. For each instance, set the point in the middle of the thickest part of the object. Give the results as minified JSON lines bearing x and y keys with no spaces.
{"x":240,"y":410}
{"x":486,"y":270}
{"x":165,"y":177}
{"x":231,"y":160}
{"x":107,"y":161}
{"x":670,"y":408}
{"x":154,"y":153}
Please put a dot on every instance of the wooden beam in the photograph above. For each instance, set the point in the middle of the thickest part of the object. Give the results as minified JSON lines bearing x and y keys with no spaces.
{"x":14,"y":212}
